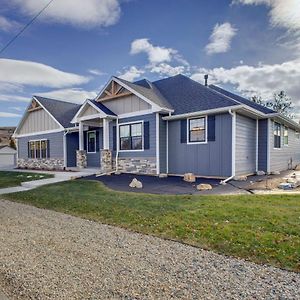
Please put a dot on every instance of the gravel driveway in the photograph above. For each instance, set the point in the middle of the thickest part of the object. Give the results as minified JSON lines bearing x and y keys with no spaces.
{"x":49,"y":255}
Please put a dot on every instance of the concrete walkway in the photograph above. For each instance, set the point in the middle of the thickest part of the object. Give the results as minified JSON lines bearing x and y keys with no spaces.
{"x":58,"y":177}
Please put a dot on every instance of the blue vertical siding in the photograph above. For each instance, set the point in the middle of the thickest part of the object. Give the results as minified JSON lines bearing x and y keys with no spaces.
{"x":262,"y":145}
{"x":162,"y":145}
{"x":55,"y":141}
{"x":211,"y":159}
{"x":93,"y":159}
{"x":72,"y":146}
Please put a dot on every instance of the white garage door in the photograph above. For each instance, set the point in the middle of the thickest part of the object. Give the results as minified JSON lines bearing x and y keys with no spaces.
{"x":7,"y":160}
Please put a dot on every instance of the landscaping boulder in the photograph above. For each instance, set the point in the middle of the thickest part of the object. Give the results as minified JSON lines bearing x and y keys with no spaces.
{"x":240,"y":178}
{"x":297,"y":168}
{"x":285,"y":186}
{"x":260,"y":173}
{"x":189,"y":177}
{"x":136,"y":184}
{"x":204,"y":187}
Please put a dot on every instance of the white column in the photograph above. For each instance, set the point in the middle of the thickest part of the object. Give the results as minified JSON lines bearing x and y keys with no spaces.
{"x":233,"y":158}
{"x":105,"y":134}
{"x":157,"y":145}
{"x":256,"y":168}
{"x":81,"y":146}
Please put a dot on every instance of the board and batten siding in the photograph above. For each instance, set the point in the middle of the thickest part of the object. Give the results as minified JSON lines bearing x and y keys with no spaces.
{"x":245,"y":161}
{"x":263,"y":145}
{"x":37,"y":121}
{"x":281,"y":157}
{"x":88,"y":110}
{"x":56,"y":144}
{"x":72,"y":140}
{"x":162,"y":145}
{"x":210,"y":159}
{"x":126,"y":104}
{"x":93,"y":159}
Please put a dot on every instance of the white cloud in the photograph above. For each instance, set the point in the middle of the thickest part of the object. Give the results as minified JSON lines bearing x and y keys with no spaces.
{"x":7,"y":25}
{"x":96,"y":72}
{"x":283,"y":13}
{"x":156,"y":54}
{"x":36,"y":74}
{"x":85,"y":14}
{"x":13,"y":98}
{"x":165,"y":69}
{"x":220,"y":39}
{"x":17,"y":108}
{"x":8,"y":115}
{"x":73,"y":95}
{"x":262,"y":79}
{"x":132,"y":73}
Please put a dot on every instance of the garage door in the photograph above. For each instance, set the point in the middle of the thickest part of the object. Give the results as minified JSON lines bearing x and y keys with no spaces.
{"x":7,"y":160}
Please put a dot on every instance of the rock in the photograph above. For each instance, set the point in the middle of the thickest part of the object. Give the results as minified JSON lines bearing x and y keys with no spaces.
{"x":189,"y":177}
{"x":285,"y":186}
{"x":136,"y":184}
{"x":260,"y":173}
{"x":163,"y":175}
{"x":240,"y":178}
{"x":204,"y":187}
{"x":275,"y":173}
{"x":297,"y":168}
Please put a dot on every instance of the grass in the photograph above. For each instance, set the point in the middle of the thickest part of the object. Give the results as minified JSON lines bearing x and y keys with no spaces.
{"x":263,"y":229}
{"x":10,"y":179}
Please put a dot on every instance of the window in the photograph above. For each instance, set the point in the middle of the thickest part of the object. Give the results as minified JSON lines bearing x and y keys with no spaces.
{"x":197,"y":130}
{"x":38,"y":149}
{"x":286,"y":136}
{"x":297,"y":134}
{"x":131,"y":136}
{"x":91,"y":141}
{"x":277,"y":135}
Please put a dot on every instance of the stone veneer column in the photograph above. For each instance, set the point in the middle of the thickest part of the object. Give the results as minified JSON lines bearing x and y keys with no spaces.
{"x":81,"y":159}
{"x":106,"y":160}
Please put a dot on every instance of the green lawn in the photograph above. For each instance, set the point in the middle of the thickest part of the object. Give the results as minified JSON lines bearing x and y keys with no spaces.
{"x":263,"y":229}
{"x":10,"y":179}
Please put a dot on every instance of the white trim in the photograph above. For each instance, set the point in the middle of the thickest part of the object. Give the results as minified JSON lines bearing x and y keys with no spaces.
{"x":167,"y":148}
{"x":256,"y":146}
{"x":87,"y":141}
{"x":39,"y":140}
{"x":117,"y":144}
{"x":188,"y":130}
{"x":65,"y":148}
{"x":38,"y":133}
{"x":105,"y":134}
{"x":157,"y":144}
{"x":268,"y":146}
{"x":285,"y":128}
{"x":136,"y":113}
{"x":80,"y":136}
{"x":118,"y":134}
{"x":203,"y":112}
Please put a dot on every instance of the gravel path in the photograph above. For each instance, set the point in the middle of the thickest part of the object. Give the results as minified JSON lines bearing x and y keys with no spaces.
{"x":49,"y":255}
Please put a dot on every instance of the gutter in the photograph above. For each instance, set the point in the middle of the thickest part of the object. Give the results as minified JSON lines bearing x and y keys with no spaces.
{"x":117,"y":143}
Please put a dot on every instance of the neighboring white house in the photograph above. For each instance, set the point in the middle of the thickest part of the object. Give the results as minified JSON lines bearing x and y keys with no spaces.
{"x":8,"y":156}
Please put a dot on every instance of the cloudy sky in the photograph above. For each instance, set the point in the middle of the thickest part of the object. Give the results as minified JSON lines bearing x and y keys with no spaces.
{"x":247,"y":46}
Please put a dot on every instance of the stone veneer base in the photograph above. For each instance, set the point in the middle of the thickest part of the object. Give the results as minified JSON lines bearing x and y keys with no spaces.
{"x":41,"y":164}
{"x":137,"y":165}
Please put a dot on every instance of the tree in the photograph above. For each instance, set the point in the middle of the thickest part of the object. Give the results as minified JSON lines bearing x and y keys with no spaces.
{"x":12,"y":144}
{"x":282,"y":104}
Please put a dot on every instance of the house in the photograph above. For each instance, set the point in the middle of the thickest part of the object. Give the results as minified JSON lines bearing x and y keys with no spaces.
{"x":8,"y":156}
{"x":170,"y":126}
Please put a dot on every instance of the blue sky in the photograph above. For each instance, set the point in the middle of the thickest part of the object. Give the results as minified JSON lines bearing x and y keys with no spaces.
{"x":69,"y":53}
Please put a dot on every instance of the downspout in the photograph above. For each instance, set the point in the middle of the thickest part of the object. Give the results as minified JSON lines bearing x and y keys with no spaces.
{"x":233,"y":141}
{"x":65,"y":148}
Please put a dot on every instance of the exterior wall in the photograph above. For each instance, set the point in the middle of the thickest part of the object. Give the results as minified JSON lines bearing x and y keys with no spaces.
{"x":126,"y":104}
{"x":286,"y":157}
{"x":72,"y":140}
{"x":210,"y":159}
{"x":38,"y":121}
{"x":140,"y":162}
{"x":89,"y":110}
{"x":162,"y":145}
{"x":56,"y":152}
{"x":245,"y":161}
{"x":263,"y":145}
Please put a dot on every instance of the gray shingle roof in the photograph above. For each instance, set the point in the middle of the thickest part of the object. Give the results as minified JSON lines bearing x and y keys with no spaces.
{"x":103,"y":108}
{"x":151,"y":92}
{"x":62,"y":111}
{"x":186,"y":95}
{"x":242,"y":100}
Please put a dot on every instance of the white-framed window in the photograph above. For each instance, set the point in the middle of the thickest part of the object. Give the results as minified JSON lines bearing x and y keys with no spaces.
{"x":131,"y":136}
{"x":277,"y":135}
{"x":38,"y":149}
{"x":286,"y":136}
{"x":91,"y":141}
{"x":197,"y":130}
